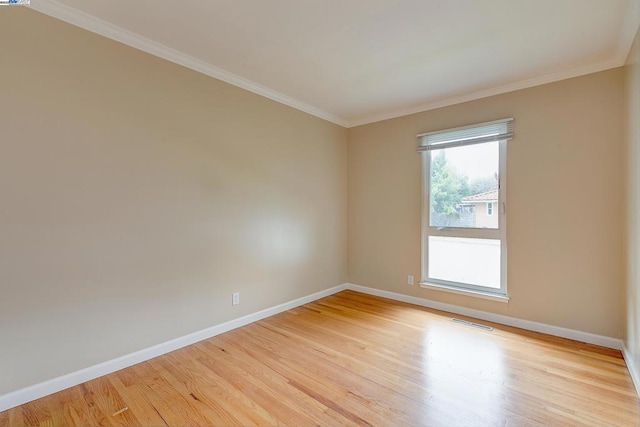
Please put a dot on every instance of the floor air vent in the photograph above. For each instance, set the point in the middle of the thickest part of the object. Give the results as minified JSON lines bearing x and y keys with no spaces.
{"x":475,"y":325}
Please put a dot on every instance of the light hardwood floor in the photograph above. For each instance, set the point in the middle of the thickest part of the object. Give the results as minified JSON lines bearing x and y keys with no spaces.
{"x":355,"y":359}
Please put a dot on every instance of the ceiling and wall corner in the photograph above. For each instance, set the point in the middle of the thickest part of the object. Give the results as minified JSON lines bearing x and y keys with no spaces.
{"x":364,"y":61}
{"x":98,"y":26}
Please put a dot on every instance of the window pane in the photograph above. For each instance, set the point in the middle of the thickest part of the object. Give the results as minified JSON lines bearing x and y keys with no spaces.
{"x":463,"y":260}
{"x":463,"y":184}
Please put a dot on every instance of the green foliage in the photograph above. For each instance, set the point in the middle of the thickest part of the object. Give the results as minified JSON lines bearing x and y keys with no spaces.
{"x":449,"y":186}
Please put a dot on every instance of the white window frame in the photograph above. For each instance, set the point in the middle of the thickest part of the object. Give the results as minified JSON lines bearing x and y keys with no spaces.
{"x":484,"y":233}
{"x":490,"y":209}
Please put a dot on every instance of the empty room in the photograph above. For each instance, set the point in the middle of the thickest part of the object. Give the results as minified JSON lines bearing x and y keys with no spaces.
{"x":283,"y":212}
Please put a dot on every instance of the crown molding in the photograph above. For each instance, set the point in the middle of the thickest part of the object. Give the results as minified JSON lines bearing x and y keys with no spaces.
{"x":629,"y":30}
{"x":88,"y":22}
{"x":106,"y":29}
{"x":484,"y":93}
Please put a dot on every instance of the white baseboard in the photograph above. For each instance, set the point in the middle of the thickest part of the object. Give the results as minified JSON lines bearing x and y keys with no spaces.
{"x":632,"y":367}
{"x":544,"y":328}
{"x":36,"y":391}
{"x":558,"y":331}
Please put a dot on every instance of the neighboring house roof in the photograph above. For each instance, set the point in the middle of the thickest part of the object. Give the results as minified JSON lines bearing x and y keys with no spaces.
{"x":489,"y":196}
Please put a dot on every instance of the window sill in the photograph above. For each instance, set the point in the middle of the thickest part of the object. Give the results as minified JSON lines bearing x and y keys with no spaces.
{"x":467,"y":292}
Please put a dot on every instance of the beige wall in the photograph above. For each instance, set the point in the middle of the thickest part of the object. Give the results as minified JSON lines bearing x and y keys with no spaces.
{"x":565,"y":202}
{"x":632,"y":110}
{"x":137,"y":195}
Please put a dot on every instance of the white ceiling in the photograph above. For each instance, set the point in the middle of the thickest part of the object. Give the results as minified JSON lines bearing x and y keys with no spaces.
{"x":358,"y":61}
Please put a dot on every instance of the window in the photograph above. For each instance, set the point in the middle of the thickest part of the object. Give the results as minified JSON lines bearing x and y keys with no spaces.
{"x":464,"y":250}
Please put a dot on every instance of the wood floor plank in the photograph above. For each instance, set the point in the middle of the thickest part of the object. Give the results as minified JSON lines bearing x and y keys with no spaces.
{"x":351,"y":407}
{"x":135,"y":401}
{"x":260,"y":385}
{"x":214,"y":391}
{"x":356,"y":359}
{"x":276,"y":383}
{"x":213,"y":414}
{"x":354,"y":368}
{"x":95,"y":413}
{"x":173,"y":407}
{"x":4,"y":419}
{"x":111,"y":404}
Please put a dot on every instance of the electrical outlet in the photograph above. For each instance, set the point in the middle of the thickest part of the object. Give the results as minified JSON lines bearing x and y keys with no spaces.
{"x":410,"y":280}
{"x":235,"y":298}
